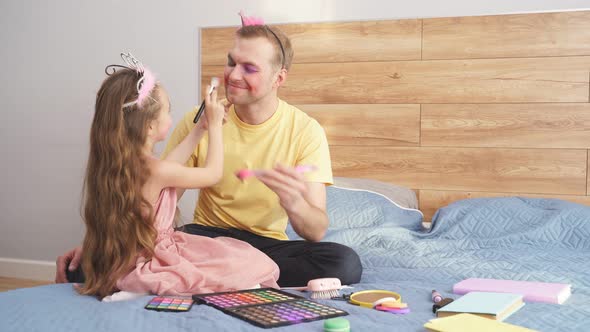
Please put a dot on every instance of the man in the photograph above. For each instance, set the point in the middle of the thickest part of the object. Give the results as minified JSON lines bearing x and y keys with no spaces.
{"x":267,"y":134}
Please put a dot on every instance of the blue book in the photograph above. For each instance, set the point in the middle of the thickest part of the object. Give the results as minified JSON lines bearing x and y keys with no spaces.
{"x":496,"y":306}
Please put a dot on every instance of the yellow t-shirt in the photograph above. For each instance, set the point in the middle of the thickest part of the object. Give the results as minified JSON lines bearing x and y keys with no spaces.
{"x":289,"y":137}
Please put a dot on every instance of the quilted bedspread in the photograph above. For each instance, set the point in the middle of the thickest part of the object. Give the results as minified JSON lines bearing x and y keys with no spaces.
{"x":506,"y":238}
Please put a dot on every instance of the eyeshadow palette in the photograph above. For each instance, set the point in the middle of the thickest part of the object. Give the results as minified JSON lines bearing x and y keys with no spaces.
{"x":268,"y":307}
{"x":172,"y":304}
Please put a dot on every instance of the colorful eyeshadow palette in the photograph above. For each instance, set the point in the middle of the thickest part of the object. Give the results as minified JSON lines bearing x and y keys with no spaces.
{"x":268,"y":307}
{"x":172,"y":304}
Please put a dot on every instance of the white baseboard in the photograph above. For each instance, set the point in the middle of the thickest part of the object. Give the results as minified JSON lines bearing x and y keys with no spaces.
{"x":27,"y":269}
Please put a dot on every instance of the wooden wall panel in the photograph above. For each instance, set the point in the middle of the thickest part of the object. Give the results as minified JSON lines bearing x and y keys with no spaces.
{"x":331,"y":42}
{"x":368,"y":124}
{"x":215,"y":44}
{"x":495,"y":170}
{"x":549,"y":34}
{"x":432,"y":200}
{"x":448,"y":81}
{"x":562,"y":125}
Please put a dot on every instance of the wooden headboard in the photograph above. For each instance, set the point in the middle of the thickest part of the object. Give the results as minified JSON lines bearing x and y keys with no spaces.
{"x":450,"y":107}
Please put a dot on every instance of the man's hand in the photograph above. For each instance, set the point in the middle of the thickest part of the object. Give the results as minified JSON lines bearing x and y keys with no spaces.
{"x":71,"y":259}
{"x":304,"y":202}
{"x":287,"y":183}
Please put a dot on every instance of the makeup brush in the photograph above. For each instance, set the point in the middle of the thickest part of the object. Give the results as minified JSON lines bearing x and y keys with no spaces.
{"x":214,"y":84}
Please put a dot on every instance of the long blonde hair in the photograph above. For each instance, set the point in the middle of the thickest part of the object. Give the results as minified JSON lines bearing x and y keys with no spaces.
{"x":119,"y":220}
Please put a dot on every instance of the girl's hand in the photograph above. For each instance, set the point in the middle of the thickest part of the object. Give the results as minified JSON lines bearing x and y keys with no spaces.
{"x":204,"y":125}
{"x":214,"y":110}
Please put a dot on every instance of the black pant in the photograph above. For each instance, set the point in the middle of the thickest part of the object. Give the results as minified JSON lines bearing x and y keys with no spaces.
{"x":299,"y":261}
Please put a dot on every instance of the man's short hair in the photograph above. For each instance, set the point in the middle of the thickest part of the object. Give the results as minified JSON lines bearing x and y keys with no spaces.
{"x":282,"y":44}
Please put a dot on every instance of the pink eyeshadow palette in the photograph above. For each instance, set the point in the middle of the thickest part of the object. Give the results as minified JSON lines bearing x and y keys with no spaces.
{"x":268,"y":307}
{"x":172,"y":304}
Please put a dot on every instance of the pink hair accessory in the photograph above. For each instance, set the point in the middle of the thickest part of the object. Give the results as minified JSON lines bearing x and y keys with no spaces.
{"x":246,"y":173}
{"x":145,"y":84}
{"x":250,"y":20}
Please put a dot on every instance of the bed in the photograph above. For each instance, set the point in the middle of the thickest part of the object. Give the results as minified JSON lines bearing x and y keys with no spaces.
{"x":511,"y":238}
{"x":468,"y":157}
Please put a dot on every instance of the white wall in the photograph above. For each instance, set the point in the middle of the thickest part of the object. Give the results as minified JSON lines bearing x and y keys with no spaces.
{"x":53,"y":55}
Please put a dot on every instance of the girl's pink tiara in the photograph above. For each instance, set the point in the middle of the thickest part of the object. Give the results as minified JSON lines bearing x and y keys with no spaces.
{"x":146,"y":82}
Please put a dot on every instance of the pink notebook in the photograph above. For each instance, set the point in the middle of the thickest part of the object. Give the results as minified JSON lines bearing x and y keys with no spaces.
{"x":531,"y":291}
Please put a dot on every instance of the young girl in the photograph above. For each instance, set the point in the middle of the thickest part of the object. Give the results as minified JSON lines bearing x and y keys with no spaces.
{"x":130,"y":199}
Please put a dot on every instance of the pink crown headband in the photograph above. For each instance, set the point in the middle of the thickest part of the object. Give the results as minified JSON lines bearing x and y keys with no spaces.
{"x":253,"y":20}
{"x":250,"y":20}
{"x":146,"y":82}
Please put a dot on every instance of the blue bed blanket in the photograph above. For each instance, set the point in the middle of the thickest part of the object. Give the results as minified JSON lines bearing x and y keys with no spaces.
{"x":505,"y":238}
